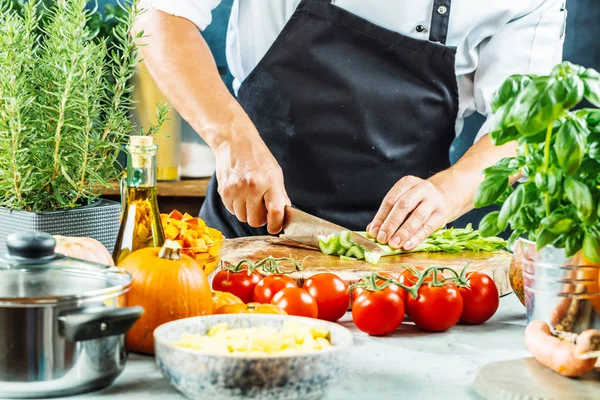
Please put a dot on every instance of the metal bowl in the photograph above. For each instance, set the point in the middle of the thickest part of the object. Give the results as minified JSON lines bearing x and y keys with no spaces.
{"x":199,"y":374}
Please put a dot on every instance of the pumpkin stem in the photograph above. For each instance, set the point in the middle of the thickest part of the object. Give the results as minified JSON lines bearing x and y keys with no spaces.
{"x":171,"y":250}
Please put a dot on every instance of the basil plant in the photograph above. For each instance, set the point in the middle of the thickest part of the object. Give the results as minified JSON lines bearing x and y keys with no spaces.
{"x":558,"y":159}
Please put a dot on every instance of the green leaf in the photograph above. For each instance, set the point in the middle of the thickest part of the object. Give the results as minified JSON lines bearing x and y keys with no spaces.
{"x":554,"y":180}
{"x":573,"y":244}
{"x":500,"y":134}
{"x":490,"y":190}
{"x":570,"y":145}
{"x":510,"y":207}
{"x":488,"y":226}
{"x":591,"y":246}
{"x":580,"y":196}
{"x":591,"y":80}
{"x":558,"y":223}
{"x":544,"y":238}
{"x":541,"y":181}
{"x":512,"y":240}
{"x":509,"y":90}
{"x":574,"y":88}
{"x":538,"y":105}
{"x":594,"y":147}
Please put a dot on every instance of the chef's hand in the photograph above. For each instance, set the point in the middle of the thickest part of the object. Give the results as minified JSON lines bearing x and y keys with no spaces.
{"x":412,"y":210}
{"x":250,"y":180}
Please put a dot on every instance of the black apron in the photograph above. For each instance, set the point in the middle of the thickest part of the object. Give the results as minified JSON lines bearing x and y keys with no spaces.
{"x":348,"y":108}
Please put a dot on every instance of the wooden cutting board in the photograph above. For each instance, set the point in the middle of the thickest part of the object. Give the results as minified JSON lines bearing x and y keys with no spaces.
{"x":495,"y":264}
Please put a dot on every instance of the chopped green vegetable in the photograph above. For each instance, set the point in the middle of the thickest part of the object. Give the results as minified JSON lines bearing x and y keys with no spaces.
{"x":447,"y":240}
{"x":345,"y":240}
{"x":356,"y":252}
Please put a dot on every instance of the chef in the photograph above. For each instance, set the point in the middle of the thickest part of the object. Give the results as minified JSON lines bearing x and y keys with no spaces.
{"x":346,"y":109}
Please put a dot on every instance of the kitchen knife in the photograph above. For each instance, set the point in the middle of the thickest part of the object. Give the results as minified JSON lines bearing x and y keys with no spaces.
{"x":304,"y":228}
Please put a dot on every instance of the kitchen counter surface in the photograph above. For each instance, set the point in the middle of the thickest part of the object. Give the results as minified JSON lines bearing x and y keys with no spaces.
{"x":409,"y":364}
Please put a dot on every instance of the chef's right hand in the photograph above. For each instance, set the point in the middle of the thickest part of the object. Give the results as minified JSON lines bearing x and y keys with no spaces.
{"x":250,"y":181}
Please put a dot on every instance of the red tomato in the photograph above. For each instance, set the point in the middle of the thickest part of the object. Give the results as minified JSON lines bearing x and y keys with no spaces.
{"x":331,"y":294}
{"x":395,"y":288}
{"x":378,"y":313}
{"x":436,"y":309}
{"x":239,"y":284}
{"x":296,"y":301}
{"x":270,"y":285}
{"x":480,"y":301}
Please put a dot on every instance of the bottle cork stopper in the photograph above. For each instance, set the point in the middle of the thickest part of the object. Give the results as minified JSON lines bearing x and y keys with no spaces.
{"x":137,"y":140}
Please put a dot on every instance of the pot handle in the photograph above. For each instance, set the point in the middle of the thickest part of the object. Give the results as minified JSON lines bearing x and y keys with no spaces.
{"x":86,"y":325}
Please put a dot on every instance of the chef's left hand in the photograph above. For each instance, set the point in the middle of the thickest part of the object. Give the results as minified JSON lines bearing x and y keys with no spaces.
{"x":412,"y":210}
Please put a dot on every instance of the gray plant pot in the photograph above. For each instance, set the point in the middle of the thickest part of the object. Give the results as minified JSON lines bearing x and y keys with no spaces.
{"x":100,"y":221}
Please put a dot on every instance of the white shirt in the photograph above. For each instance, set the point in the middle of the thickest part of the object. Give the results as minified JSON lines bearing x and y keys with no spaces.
{"x":494,"y":38}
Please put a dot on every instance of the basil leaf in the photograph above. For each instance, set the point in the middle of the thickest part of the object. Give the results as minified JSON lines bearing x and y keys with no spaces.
{"x":558,"y":224}
{"x":580,"y":196}
{"x":490,"y":190}
{"x":501,"y":135}
{"x":591,"y":246}
{"x":544,"y":238}
{"x":574,"y":88}
{"x":541,"y":181}
{"x":512,"y":240}
{"x":509,"y":90}
{"x":554,"y":180}
{"x":510,"y":207}
{"x":488,"y":226}
{"x":537,"y":105}
{"x":591,"y":81}
{"x":573,"y":244}
{"x":569,"y":146}
{"x":500,"y":201}
{"x":594,"y":148}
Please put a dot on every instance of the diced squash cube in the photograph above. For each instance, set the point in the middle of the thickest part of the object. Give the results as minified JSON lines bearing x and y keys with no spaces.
{"x":176,"y":215}
{"x":198,"y":243}
{"x":171,"y":232}
{"x":186,"y":217}
{"x":192,"y":221}
{"x":214,"y":250}
{"x":208,"y":239}
{"x":176,"y":223}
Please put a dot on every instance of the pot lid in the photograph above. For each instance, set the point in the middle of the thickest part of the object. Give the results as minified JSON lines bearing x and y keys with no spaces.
{"x":33,"y":274}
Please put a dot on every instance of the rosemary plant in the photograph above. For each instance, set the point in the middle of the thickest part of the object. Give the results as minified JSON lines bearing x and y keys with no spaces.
{"x":64,"y":103}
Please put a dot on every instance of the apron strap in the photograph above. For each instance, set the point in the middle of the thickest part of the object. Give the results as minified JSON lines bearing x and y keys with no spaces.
{"x":439,"y":21}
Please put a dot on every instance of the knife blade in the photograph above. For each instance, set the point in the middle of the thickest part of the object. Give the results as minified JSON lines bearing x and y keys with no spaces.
{"x":306,"y":228}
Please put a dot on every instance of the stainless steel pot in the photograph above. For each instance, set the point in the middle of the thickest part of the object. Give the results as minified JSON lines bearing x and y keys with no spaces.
{"x":62,"y":324}
{"x":558,"y":290}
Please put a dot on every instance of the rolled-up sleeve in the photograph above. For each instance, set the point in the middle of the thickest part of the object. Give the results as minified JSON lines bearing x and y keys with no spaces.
{"x":532,"y":43}
{"x":197,"y":11}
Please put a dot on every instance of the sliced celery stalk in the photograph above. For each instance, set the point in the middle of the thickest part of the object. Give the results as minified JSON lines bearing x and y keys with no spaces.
{"x":356,"y":252}
{"x":345,"y":240}
{"x":372,"y":257}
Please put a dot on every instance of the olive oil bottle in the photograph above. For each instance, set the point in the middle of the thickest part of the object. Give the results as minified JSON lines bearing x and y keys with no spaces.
{"x":140,"y":223}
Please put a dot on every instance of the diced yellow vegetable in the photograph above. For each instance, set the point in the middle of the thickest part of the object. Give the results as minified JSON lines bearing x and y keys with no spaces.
{"x":292,"y":338}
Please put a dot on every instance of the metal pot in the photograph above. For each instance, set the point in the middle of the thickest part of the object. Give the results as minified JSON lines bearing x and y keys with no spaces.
{"x":62,"y":324}
{"x":558,"y":289}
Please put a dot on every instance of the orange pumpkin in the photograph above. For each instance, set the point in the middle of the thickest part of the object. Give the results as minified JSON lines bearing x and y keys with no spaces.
{"x":83,"y":248}
{"x":221,"y":299}
{"x":250,"y":308}
{"x":169,"y":285}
